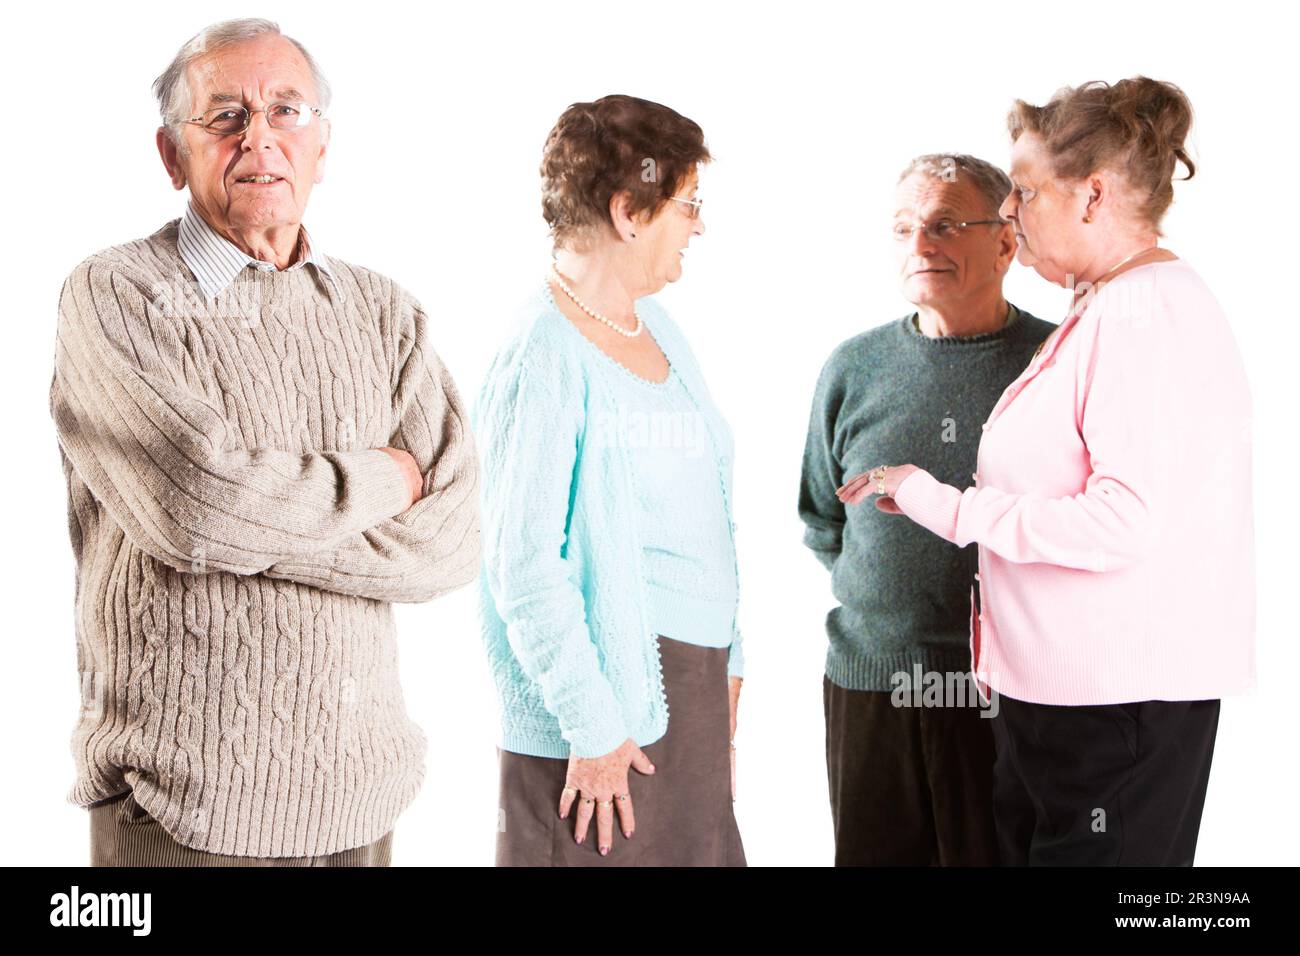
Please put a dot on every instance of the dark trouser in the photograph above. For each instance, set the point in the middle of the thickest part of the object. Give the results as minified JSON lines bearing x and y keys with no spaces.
{"x":684,"y":812}
{"x":909,"y":786}
{"x":122,"y":833}
{"x":1102,"y":785}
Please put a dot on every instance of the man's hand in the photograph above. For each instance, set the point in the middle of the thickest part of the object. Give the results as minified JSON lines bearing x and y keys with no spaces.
{"x":414,"y":480}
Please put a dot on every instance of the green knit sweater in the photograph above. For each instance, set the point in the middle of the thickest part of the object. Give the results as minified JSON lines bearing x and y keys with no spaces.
{"x":893,"y":396}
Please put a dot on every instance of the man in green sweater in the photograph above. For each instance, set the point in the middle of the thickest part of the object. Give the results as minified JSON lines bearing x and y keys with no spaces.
{"x":909,"y":754}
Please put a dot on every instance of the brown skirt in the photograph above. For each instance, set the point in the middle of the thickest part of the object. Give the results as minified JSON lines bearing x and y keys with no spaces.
{"x":684,"y":814}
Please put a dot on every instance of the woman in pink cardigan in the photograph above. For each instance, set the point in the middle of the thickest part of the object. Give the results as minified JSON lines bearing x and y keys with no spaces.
{"x":1115,"y":599}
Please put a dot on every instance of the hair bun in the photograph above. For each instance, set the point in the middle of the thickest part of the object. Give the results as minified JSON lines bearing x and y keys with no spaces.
{"x":1158,"y":117}
{"x":1138,"y":126}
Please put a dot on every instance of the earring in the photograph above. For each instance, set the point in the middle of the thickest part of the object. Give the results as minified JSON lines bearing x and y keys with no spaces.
{"x":1087,"y":219}
{"x":634,"y":235}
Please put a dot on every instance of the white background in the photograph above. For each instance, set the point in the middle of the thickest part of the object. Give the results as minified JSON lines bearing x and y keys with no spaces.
{"x":811,"y":109}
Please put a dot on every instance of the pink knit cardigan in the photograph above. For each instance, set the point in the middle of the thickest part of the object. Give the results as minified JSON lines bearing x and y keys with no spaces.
{"x":1112,"y":506}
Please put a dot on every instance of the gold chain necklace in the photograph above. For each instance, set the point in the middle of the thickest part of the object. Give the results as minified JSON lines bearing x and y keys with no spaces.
{"x":1123,"y":262}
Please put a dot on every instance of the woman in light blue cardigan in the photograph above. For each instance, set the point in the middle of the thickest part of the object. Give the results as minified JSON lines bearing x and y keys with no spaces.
{"x":609,"y":585}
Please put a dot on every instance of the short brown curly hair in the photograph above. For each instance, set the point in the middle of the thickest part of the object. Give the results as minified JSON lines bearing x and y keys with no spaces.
{"x":615,"y":143}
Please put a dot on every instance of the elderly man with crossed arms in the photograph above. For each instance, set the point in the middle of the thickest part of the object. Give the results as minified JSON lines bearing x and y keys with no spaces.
{"x":262,"y":452}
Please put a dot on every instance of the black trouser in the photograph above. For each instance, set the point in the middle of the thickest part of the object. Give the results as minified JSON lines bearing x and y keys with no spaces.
{"x":1102,"y":785}
{"x":909,"y":786}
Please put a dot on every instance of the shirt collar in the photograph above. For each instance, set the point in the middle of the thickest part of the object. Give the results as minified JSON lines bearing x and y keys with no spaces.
{"x":215,"y":260}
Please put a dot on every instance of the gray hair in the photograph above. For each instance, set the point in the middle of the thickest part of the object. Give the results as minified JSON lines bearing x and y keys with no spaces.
{"x":173,"y":88}
{"x":989,"y":181}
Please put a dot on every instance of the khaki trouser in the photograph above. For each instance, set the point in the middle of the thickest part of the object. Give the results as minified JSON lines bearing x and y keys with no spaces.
{"x":122,"y":833}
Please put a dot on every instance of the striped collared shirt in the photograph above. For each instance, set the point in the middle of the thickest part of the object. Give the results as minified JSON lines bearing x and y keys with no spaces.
{"x":215,"y":260}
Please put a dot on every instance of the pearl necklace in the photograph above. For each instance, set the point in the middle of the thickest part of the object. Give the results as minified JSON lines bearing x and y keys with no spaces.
{"x":555,"y":273}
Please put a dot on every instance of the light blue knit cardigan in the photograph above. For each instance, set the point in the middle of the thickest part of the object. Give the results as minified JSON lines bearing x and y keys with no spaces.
{"x":562,"y":593}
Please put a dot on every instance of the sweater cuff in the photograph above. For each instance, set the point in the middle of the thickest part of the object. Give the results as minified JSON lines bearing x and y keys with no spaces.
{"x":930,"y":503}
{"x":736,"y":658}
{"x":383,"y":484}
{"x":598,"y":738}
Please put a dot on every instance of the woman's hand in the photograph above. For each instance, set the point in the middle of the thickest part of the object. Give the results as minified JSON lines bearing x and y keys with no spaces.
{"x":599,"y":783}
{"x":733,"y":693}
{"x":857,"y":488}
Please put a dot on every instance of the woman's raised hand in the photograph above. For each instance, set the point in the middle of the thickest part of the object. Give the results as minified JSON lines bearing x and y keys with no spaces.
{"x":861,"y":486}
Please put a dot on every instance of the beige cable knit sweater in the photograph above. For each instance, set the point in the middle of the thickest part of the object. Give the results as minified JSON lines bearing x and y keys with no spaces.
{"x":238,"y":539}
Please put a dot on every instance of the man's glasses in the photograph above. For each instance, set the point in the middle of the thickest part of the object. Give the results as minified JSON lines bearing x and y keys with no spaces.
{"x":940,"y":229}
{"x":695,"y":204}
{"x":225,"y":120}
